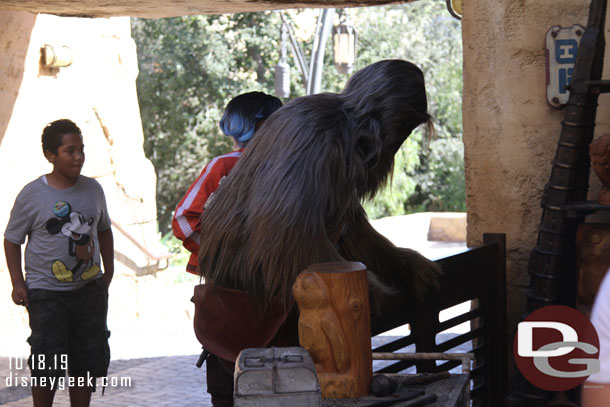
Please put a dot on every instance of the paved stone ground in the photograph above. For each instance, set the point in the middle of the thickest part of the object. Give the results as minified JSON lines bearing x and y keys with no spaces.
{"x":172,"y":381}
{"x":164,"y":381}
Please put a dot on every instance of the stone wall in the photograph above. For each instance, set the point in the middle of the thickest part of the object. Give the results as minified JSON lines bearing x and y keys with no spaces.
{"x":98,"y":92}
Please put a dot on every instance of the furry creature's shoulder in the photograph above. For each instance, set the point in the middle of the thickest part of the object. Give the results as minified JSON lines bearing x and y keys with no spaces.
{"x":322,"y":111}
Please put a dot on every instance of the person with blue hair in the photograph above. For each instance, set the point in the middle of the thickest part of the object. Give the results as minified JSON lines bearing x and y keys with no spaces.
{"x":243,"y":115}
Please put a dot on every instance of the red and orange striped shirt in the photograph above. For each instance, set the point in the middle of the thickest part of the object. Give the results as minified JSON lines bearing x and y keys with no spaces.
{"x":185,"y":223}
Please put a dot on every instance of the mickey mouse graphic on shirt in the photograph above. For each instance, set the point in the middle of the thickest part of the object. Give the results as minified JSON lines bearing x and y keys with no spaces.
{"x":81,"y":246}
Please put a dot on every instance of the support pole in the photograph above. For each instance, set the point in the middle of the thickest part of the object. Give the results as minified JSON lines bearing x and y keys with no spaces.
{"x":325,"y":22}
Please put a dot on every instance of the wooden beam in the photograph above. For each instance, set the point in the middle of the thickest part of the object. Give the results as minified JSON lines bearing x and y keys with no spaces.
{"x":171,"y":8}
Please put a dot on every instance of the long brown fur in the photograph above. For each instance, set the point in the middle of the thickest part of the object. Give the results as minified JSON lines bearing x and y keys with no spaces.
{"x":300,"y":182}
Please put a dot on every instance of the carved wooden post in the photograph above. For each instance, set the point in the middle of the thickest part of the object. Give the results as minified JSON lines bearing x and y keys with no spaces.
{"x":335,"y":326}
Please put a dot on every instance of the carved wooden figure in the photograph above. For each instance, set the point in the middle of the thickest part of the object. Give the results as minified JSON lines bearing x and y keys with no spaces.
{"x":334,"y":326}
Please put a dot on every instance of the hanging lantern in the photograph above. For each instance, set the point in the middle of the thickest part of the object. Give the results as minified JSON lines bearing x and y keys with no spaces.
{"x":282,"y":79}
{"x":344,"y":45}
{"x":282,"y":69}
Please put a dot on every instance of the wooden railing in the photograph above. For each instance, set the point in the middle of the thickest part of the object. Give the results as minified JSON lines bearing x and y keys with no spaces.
{"x":157,"y":259}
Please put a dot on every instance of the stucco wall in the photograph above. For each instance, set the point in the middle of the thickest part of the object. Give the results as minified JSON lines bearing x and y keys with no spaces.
{"x":98,"y":92}
{"x":510,"y":132}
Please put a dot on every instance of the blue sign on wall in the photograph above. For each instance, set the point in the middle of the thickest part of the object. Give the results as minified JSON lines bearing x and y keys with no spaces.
{"x":562,"y":49}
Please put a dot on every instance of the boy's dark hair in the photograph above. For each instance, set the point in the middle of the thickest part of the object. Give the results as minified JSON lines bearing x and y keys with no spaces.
{"x":244,"y":112}
{"x":54,"y":132}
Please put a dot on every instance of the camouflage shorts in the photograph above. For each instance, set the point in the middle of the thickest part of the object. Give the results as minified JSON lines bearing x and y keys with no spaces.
{"x":69,"y":330}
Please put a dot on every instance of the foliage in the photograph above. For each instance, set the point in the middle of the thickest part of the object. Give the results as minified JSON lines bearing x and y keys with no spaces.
{"x":190,"y":67}
{"x":422,"y":32}
{"x":179,"y":255}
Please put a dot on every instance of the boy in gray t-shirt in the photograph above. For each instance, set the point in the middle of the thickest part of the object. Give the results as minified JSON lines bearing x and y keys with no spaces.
{"x":64,"y":216}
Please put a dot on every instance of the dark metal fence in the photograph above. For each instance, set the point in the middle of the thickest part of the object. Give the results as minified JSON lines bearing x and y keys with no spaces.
{"x":477,"y":275}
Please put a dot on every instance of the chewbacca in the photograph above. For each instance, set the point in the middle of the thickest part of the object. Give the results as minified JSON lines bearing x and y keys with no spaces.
{"x":294,"y":198}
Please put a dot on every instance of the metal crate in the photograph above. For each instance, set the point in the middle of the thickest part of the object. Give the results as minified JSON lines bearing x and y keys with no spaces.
{"x":276,"y":377}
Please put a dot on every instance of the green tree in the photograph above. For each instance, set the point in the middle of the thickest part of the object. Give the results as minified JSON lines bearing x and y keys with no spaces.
{"x":429,"y":171}
{"x":190,"y":67}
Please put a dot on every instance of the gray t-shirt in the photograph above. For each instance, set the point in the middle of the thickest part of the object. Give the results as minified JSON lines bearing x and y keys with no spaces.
{"x":63,"y":251}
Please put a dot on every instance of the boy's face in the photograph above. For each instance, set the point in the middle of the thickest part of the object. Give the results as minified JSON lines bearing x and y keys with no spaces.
{"x":70,"y":156}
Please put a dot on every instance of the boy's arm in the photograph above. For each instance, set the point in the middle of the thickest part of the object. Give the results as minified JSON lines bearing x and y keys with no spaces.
{"x":13,"y":261}
{"x":107,"y":251}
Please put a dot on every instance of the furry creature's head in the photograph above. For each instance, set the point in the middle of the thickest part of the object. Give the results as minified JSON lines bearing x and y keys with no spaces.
{"x":384,"y":102}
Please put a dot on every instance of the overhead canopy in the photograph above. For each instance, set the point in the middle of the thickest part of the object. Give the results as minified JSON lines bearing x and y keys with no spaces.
{"x":170,"y":8}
